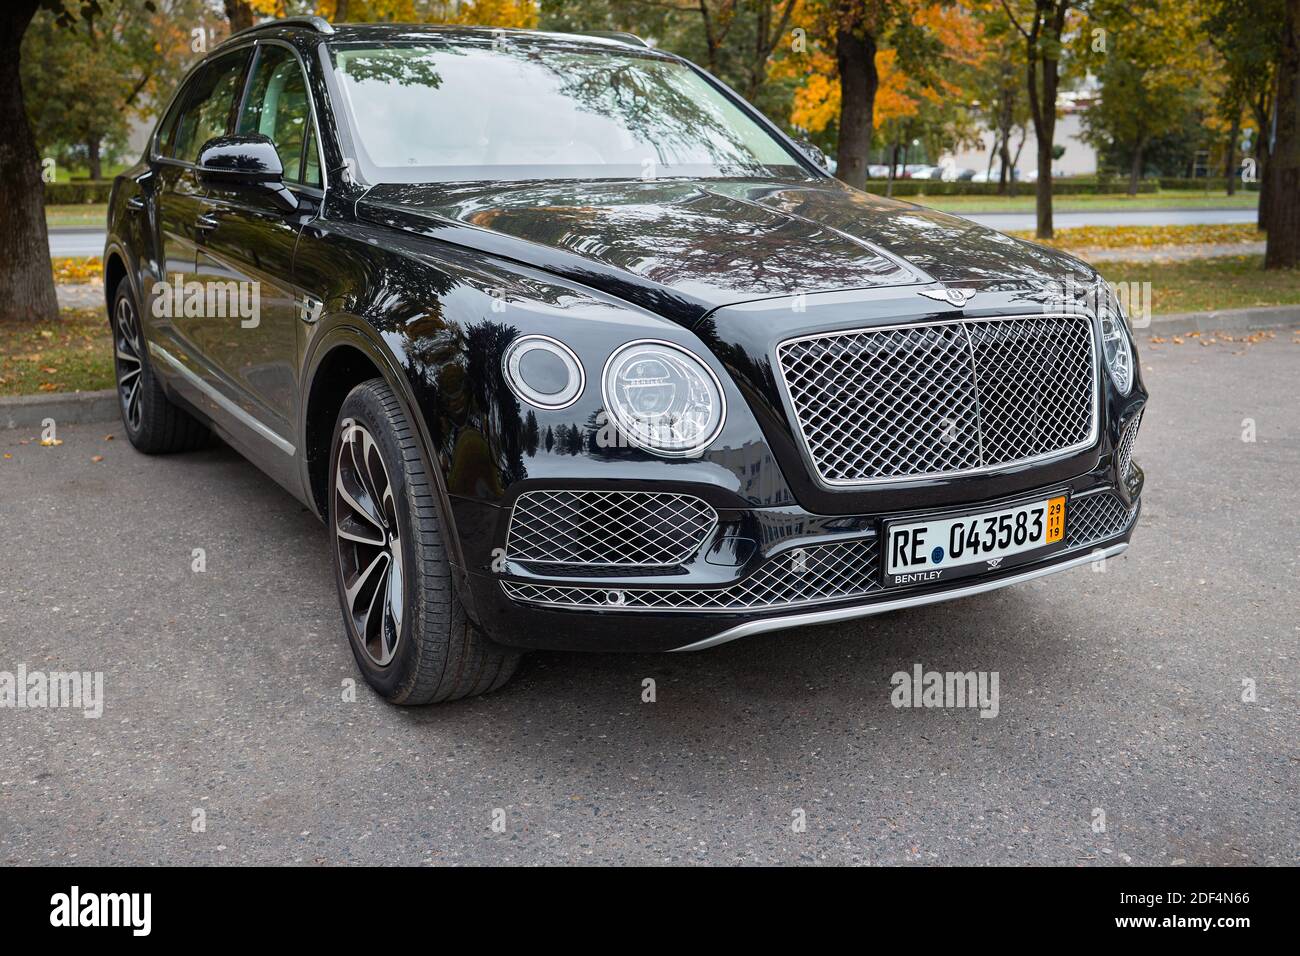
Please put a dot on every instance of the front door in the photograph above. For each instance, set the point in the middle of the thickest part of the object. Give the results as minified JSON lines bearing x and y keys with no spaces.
{"x":246,"y":247}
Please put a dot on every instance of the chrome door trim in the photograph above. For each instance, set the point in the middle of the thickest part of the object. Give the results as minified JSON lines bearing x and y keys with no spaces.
{"x":225,"y":404}
{"x":920,"y":600}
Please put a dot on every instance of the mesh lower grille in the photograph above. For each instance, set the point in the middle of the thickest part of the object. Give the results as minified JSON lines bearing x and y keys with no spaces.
{"x":810,"y":575}
{"x":610,"y":528}
{"x":1125,"y":452}
{"x":1095,"y":518}
{"x":942,"y":399}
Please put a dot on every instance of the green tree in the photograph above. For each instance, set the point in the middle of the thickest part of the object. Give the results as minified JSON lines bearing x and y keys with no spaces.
{"x":82,"y":79}
{"x":1042,"y":25}
{"x":1248,"y":36}
{"x":26,"y":281}
{"x":1149,"y":65}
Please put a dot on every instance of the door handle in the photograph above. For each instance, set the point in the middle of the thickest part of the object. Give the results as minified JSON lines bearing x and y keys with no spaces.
{"x":135,"y":204}
{"x":205,"y":222}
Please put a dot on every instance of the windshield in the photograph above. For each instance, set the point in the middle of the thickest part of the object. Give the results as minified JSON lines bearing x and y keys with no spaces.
{"x":429,"y":112}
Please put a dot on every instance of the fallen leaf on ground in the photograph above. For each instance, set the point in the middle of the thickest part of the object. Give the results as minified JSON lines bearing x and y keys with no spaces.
{"x":96,"y":458}
{"x":51,"y":442}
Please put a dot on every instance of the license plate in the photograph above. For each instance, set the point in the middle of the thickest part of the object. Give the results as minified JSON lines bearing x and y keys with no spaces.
{"x":953,"y":546}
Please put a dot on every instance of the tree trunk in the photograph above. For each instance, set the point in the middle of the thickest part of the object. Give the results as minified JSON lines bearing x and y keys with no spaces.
{"x":1230,"y":164}
{"x":1004,"y":177}
{"x":26,"y":279}
{"x":1135,"y":169}
{"x":341,"y":11}
{"x":1043,"y":191}
{"x":240,"y":15}
{"x":855,"y":54}
{"x":92,"y":160}
{"x":1262,"y":170}
{"x":1043,"y":78}
{"x":1283,"y":250}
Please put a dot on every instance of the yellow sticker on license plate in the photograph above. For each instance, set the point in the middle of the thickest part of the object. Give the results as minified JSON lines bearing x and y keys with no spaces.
{"x":1055,"y":519}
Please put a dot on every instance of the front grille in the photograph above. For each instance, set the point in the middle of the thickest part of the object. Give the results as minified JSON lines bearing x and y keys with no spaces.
{"x":607,"y":528}
{"x":1095,"y":518}
{"x":812,"y":575}
{"x":1125,"y":452}
{"x":947,"y":398}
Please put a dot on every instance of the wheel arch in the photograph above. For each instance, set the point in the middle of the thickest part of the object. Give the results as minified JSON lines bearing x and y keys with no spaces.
{"x":345,"y":352}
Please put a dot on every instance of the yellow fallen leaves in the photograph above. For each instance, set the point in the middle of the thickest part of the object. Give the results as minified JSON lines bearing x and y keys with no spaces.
{"x":51,"y":442}
{"x":1148,"y":237}
{"x":72,"y":269}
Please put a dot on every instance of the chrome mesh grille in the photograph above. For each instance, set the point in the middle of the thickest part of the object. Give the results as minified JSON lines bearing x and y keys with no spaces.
{"x":942,"y":399}
{"x":811,"y":575}
{"x":589,"y":528}
{"x":1125,"y":452}
{"x":1095,"y":518}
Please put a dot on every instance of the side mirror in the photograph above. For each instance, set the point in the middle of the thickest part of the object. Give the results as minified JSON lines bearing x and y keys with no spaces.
{"x":815,"y":153}
{"x":248,"y":163}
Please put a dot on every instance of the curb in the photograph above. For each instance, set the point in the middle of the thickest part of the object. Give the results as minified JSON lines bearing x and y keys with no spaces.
{"x":71,"y":408}
{"x":1229,"y":320}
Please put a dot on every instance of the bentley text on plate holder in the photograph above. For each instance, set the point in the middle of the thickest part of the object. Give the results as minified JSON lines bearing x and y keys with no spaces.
{"x":942,"y":548}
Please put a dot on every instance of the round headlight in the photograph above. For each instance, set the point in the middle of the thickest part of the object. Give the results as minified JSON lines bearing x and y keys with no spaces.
{"x":1115,"y":345}
{"x":543,"y":371}
{"x":663,"y":398}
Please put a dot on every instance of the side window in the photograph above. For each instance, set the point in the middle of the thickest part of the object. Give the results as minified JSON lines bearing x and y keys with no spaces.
{"x":167,"y":128}
{"x":277,"y":106}
{"x":208,"y":107}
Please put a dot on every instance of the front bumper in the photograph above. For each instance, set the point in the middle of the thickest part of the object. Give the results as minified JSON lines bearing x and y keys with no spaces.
{"x":807,"y":569}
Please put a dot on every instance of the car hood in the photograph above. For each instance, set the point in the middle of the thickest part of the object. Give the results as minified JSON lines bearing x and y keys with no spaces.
{"x":686,"y":247}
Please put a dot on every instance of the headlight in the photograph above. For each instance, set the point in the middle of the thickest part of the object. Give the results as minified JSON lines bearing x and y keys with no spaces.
{"x":543,"y":372}
{"x":663,"y":398}
{"x":1115,"y":344}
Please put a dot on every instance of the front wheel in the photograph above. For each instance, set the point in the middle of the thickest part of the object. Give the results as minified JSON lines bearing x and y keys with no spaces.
{"x":408,"y":630}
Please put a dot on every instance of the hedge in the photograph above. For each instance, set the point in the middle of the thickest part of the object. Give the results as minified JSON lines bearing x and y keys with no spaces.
{"x":83,"y":192}
{"x":1211,"y":184}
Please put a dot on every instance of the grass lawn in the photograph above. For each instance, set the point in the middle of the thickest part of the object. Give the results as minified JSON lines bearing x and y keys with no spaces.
{"x":71,"y":354}
{"x":85,"y":214}
{"x":1203,"y":285}
{"x":1189,"y":199}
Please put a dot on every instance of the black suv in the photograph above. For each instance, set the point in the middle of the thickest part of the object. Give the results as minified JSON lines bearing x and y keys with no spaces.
{"x":573,"y":349}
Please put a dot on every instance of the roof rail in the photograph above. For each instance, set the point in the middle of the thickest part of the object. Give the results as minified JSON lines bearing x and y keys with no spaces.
{"x":629,"y":38}
{"x":319,"y":24}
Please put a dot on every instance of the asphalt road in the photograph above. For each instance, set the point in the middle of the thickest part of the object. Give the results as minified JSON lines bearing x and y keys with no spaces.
{"x":89,"y":240}
{"x":1120,"y":691}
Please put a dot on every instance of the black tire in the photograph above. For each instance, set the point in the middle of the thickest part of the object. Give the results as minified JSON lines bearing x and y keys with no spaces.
{"x":431,"y":653}
{"x":153,"y":424}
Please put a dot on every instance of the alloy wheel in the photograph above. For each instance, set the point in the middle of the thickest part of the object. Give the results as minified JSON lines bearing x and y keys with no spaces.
{"x":128,"y":351}
{"x":367,"y":536}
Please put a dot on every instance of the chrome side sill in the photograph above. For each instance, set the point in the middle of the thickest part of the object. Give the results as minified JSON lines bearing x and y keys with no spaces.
{"x":880,"y":607}
{"x":257,"y":427}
